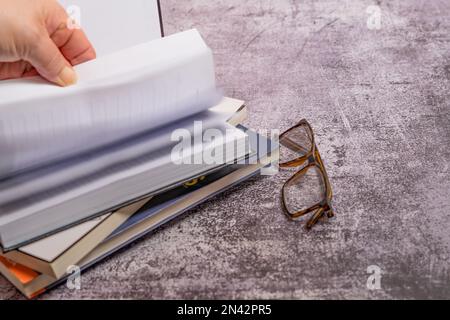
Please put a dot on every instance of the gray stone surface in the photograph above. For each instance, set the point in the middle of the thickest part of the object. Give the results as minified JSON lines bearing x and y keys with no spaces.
{"x":379,"y":101}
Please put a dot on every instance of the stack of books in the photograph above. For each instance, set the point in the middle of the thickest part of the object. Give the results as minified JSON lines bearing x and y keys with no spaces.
{"x":86,"y":170}
{"x":43,"y":264}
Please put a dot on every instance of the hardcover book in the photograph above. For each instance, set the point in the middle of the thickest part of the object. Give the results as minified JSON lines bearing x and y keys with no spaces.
{"x":54,"y":254}
{"x":156,"y":212}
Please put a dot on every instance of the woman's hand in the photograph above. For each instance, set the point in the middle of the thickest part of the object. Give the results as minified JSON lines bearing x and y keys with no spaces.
{"x":35,"y":38}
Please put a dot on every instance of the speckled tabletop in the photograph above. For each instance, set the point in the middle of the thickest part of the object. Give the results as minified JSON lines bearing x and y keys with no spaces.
{"x":379,"y":101}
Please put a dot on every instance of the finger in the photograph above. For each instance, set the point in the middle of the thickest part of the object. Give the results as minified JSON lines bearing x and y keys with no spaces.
{"x":18,"y":69}
{"x":31,"y":72}
{"x":73,"y":44}
{"x":69,"y":37}
{"x":50,"y":63}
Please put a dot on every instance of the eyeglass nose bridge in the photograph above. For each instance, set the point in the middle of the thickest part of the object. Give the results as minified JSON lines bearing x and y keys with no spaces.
{"x":311,"y":158}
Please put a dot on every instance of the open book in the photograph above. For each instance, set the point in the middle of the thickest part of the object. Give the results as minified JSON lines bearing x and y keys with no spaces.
{"x":118,"y":96}
{"x":158,"y":211}
{"x":116,"y":120}
{"x":54,"y":254}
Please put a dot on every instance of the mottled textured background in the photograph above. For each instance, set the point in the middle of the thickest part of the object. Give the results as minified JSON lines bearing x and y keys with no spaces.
{"x":379,"y":101}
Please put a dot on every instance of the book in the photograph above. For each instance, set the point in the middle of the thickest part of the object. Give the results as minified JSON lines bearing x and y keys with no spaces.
{"x":29,"y":282}
{"x":266,"y":152}
{"x":103,"y":136}
{"x":106,"y":191}
{"x":83,"y":161}
{"x":118,"y":96}
{"x":54,"y":254}
{"x":150,"y":217}
{"x":112,"y":25}
{"x":26,"y":185}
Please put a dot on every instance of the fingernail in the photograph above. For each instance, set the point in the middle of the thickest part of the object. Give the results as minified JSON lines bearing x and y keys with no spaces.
{"x":67,"y":77}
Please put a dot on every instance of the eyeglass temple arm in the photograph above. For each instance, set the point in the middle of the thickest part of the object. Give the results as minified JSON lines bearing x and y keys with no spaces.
{"x":293,"y":163}
{"x":315,"y":218}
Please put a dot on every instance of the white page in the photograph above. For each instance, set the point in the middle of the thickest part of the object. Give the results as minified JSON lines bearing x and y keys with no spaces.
{"x":117,"y":96}
{"x":37,"y":216}
{"x":53,"y":177}
{"x":113,"y":25}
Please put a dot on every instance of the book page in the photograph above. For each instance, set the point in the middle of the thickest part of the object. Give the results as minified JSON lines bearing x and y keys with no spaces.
{"x":41,"y":181}
{"x":118,"y":96}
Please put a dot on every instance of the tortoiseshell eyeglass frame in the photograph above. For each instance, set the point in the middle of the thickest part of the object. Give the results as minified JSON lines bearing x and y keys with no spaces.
{"x":312,"y":159}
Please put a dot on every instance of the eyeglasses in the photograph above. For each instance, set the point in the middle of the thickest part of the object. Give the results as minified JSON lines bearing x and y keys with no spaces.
{"x":309,"y":189}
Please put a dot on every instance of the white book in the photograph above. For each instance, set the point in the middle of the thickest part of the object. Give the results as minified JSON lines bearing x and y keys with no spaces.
{"x":63,"y":206}
{"x":54,"y":254}
{"x":35,"y":217}
{"x":117,"y":96}
{"x":31,"y":283}
{"x":52,"y":138}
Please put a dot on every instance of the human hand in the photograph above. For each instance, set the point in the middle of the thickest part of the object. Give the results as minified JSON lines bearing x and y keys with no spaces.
{"x":35,"y":39}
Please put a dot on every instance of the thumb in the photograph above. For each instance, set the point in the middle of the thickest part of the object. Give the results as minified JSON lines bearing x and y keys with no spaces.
{"x":49,"y":62}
